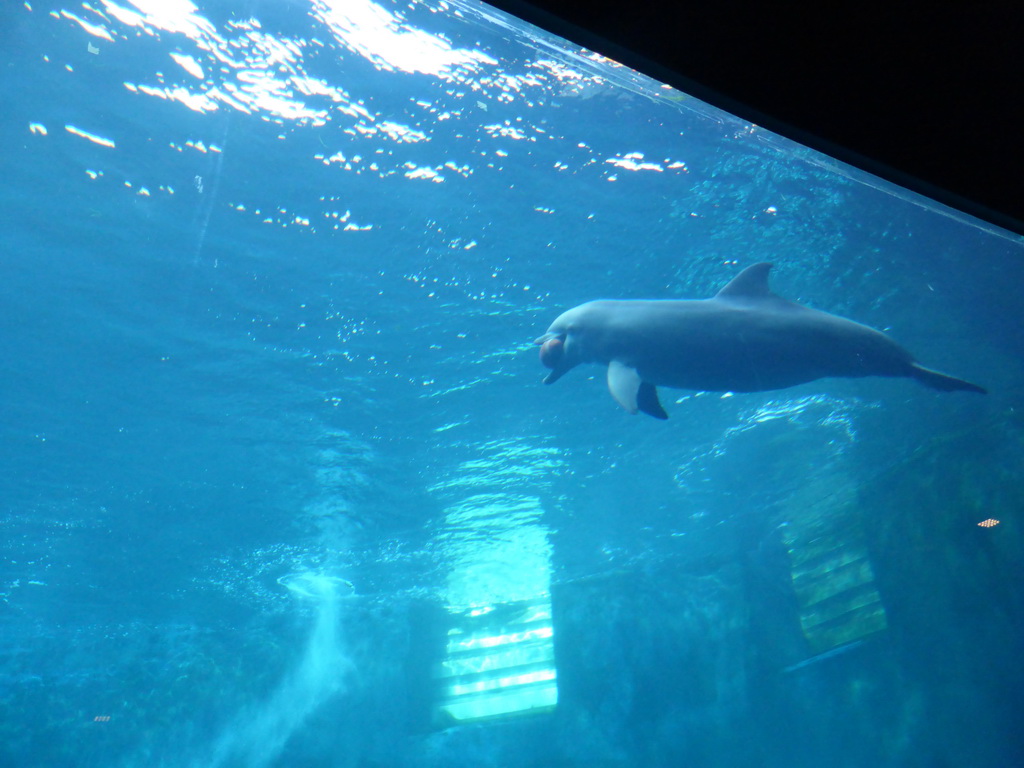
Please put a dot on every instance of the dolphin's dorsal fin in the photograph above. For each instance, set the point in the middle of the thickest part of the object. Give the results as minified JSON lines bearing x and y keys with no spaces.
{"x":751,"y":283}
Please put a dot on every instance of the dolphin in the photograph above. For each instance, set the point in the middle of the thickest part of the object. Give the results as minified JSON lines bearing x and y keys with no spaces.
{"x":744,"y":339}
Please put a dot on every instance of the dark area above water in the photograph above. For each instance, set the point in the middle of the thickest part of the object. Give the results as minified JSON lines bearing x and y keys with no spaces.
{"x":919,"y":94}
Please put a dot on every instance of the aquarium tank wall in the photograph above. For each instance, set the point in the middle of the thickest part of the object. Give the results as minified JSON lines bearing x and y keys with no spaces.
{"x":282,"y":485}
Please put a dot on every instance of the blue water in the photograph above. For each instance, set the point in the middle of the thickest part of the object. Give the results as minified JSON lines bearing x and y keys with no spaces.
{"x":276,"y":458}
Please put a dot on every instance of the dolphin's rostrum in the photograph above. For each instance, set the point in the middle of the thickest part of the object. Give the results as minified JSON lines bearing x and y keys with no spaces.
{"x":744,"y":339}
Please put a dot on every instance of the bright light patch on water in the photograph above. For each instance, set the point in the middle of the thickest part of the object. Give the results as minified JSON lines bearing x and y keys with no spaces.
{"x":430,"y":174}
{"x":194,"y":101}
{"x":383,"y":38}
{"x":259,"y":72}
{"x":507,"y":131}
{"x":95,"y":139}
{"x":189,"y":64}
{"x":175,"y":16}
{"x":95,"y":30}
{"x":634,"y":161}
{"x":401,"y":133}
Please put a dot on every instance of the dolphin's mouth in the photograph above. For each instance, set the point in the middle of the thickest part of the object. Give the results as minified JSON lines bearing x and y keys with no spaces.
{"x":552,"y":355}
{"x":551,"y":351}
{"x":552,"y":377}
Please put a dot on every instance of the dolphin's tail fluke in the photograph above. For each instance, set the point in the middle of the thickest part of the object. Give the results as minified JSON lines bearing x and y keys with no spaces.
{"x":942,"y":381}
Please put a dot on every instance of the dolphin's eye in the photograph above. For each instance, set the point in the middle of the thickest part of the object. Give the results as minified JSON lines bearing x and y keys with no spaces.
{"x":551,"y":352}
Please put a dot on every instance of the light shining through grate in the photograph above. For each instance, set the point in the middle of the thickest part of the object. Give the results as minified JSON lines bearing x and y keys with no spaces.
{"x":500,"y":663}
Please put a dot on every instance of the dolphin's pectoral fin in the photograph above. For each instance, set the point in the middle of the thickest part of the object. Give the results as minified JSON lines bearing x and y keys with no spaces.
{"x":624,"y":383}
{"x":647,"y":401}
{"x":633,"y":393}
